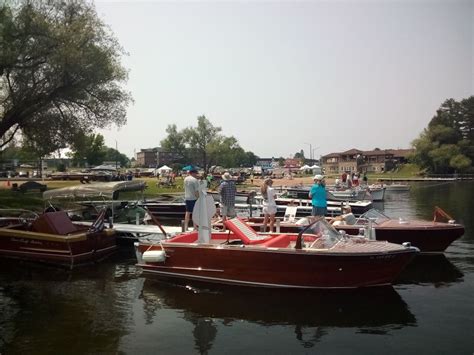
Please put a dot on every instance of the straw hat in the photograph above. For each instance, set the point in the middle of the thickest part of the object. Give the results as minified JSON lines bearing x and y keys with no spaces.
{"x":226,"y":176}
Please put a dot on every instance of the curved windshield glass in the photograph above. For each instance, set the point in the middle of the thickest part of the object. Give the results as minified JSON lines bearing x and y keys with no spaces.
{"x":375,"y":215}
{"x":328,"y":236}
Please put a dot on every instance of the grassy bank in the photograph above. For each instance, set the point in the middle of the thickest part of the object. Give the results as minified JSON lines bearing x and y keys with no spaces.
{"x":33,"y":200}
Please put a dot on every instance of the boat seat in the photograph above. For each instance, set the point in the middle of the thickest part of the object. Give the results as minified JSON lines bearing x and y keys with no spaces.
{"x":290,"y":214}
{"x":281,"y":241}
{"x":54,"y":223}
{"x":191,"y":237}
{"x":243,"y":231}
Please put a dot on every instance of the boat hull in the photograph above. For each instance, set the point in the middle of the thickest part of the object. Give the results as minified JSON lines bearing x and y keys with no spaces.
{"x":67,"y":251}
{"x":285,"y":268}
{"x":429,"y":239}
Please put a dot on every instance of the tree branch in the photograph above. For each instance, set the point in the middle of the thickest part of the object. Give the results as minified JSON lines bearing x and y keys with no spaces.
{"x":11,"y":137}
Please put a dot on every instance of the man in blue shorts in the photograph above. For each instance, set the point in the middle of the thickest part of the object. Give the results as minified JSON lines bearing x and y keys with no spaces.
{"x":191,"y":194}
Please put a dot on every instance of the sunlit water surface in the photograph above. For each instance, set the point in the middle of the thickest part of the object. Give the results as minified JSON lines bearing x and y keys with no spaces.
{"x":110,"y":308}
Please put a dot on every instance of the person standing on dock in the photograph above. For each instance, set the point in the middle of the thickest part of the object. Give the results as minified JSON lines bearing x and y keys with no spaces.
{"x":227,"y":191}
{"x":317,"y":194}
{"x":191,"y":194}
{"x":269,"y":204}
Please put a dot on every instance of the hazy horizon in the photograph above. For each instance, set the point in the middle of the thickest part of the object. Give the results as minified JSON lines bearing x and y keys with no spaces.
{"x":279,"y":76}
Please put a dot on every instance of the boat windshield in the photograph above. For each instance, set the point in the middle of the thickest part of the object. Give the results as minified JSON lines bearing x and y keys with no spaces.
{"x":375,"y":215}
{"x":328,"y":235}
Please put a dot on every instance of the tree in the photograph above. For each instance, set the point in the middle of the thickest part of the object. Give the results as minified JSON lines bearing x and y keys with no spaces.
{"x":202,"y":140}
{"x":88,"y":148}
{"x":111,"y":154}
{"x":300,"y":155}
{"x":206,"y":146}
{"x":59,"y":71}
{"x":175,"y":142}
{"x":447,"y":144}
{"x":16,"y":151}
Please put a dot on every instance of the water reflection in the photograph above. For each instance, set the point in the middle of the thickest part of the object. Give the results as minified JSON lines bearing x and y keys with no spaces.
{"x":454,"y":197}
{"x":310,"y":313}
{"x":83,"y":311}
{"x":431,"y":269}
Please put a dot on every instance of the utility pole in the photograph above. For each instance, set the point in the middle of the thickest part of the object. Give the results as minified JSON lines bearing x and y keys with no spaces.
{"x":310,"y":151}
{"x":116,"y":154}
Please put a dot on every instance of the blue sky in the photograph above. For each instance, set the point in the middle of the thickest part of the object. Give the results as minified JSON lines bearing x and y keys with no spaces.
{"x":279,"y":76}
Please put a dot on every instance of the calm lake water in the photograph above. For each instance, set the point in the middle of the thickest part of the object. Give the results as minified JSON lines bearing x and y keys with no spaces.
{"x":110,"y":308}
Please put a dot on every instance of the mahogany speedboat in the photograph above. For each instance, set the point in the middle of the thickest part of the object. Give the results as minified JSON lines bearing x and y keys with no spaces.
{"x":53,"y":239}
{"x":320,"y":258}
{"x":429,"y":236}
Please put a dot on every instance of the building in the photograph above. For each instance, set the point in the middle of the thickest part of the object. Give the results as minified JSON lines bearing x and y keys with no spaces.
{"x":155,"y":157}
{"x":146,"y":158}
{"x":266,"y":163}
{"x":292,"y":163}
{"x":355,"y":160}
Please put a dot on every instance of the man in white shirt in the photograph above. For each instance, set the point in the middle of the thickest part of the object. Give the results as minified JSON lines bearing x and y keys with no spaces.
{"x":191,"y":194}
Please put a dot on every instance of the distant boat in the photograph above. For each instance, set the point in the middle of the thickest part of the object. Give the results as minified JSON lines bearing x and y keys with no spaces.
{"x":375,"y":193}
{"x":397,"y":187}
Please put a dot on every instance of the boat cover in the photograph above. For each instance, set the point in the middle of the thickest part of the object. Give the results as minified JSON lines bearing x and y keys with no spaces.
{"x":101,"y":189}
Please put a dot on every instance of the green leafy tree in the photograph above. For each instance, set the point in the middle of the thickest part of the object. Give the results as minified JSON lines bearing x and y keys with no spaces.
{"x":88,"y":148}
{"x":250,"y":159}
{"x":175,"y":142}
{"x":300,"y":155}
{"x":205,"y":146}
{"x":447,"y":144}
{"x":111,"y":154}
{"x":60,"y":72}
{"x":202,"y":140}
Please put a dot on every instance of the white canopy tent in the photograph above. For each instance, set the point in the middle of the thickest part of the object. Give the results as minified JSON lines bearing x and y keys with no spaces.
{"x":316,"y":169}
{"x":164,"y":168}
{"x":305,"y":167}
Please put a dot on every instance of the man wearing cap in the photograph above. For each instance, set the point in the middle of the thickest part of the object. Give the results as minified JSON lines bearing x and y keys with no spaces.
{"x":191,"y":194}
{"x":317,"y":194}
{"x":227,"y":191}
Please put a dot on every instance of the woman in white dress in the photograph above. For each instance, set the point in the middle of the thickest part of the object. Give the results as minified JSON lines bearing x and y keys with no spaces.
{"x":269,"y":204}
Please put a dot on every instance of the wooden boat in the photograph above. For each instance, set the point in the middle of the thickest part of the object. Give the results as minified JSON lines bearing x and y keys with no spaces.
{"x":305,"y":206}
{"x":52,"y":238}
{"x":321,"y":259}
{"x":429,"y":236}
{"x":241,"y":197}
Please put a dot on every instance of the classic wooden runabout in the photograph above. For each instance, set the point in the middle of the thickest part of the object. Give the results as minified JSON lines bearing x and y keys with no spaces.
{"x":322,"y":259}
{"x":52,"y":238}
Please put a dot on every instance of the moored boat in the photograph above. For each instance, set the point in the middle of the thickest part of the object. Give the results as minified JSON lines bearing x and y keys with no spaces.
{"x":53,"y":239}
{"x":321,"y":259}
{"x":429,"y":236}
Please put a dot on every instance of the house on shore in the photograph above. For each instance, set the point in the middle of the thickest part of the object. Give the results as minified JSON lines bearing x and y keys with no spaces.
{"x":355,"y":160}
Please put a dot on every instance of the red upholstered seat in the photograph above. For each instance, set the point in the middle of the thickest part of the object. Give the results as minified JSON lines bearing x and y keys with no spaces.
{"x":281,"y":241}
{"x":243,"y":231}
{"x":185,"y":238}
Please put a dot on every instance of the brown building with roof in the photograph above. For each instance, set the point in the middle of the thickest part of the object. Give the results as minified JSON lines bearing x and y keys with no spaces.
{"x":155,"y":157}
{"x":355,"y":160}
